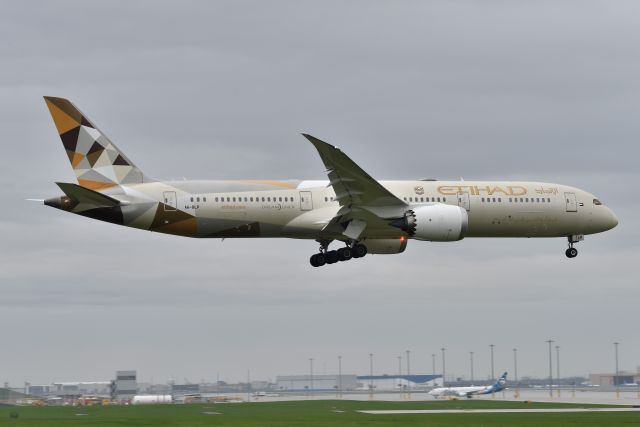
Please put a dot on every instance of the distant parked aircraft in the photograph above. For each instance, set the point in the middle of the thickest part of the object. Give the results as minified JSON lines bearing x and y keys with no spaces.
{"x":469,"y":392}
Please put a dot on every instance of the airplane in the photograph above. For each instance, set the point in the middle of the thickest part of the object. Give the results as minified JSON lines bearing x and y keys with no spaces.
{"x":469,"y":392}
{"x":367,"y":216}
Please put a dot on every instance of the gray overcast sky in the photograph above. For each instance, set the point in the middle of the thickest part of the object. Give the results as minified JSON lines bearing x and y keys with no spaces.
{"x":539,"y":90}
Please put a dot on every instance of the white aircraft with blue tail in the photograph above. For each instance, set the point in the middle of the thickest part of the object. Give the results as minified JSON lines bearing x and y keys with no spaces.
{"x":469,"y":392}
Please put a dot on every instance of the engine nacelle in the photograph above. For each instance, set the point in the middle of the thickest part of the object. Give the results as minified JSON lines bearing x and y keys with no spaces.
{"x":385,"y":246}
{"x":435,"y":223}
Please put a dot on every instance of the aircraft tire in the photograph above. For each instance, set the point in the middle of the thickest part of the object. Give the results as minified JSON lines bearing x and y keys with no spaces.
{"x":314,"y":260}
{"x":571,"y":253}
{"x":320,"y":259}
{"x":332,"y":257}
{"x":359,"y":250}
{"x":344,"y":254}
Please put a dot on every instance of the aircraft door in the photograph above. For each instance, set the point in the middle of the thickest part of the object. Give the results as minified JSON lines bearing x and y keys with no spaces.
{"x":572,"y":205}
{"x":463,"y":201}
{"x":306,"y":202}
{"x":170,"y":201}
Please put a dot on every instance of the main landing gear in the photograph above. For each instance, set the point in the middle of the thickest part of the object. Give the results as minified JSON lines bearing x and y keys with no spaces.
{"x":572,"y":252}
{"x":325,"y":256}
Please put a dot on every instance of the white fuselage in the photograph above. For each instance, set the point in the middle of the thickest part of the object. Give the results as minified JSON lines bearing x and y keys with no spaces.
{"x":302,"y":209}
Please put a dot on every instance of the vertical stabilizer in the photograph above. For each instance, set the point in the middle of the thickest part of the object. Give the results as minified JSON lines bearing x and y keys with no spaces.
{"x":96,"y":161}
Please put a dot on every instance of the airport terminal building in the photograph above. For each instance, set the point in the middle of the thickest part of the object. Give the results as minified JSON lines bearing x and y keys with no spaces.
{"x":610,"y":380}
{"x":354,"y":382}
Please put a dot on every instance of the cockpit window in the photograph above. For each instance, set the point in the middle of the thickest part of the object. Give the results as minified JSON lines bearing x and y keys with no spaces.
{"x":597,"y":202}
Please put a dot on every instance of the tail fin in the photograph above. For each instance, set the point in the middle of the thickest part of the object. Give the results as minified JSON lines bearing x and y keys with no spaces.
{"x":97,"y":162}
{"x":502,"y":379}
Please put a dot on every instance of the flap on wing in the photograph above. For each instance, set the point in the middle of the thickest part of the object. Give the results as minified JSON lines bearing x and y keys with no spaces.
{"x":84,"y":195}
{"x":352,"y":185}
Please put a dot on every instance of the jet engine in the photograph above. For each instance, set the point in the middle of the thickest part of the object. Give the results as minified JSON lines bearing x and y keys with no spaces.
{"x":385,"y":246}
{"x":435,"y":223}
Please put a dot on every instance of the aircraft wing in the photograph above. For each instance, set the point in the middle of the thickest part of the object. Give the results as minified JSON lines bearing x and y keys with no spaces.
{"x":353,"y":186}
{"x":364,"y":201}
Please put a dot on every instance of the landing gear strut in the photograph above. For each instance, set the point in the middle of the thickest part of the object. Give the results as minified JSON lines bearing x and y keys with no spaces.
{"x":325,"y":256}
{"x":572,"y":252}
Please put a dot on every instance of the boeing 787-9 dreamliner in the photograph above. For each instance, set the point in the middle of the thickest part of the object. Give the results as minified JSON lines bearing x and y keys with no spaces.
{"x":367,"y":216}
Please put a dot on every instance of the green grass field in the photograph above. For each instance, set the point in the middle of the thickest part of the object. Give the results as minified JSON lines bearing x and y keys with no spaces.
{"x":307,"y":413}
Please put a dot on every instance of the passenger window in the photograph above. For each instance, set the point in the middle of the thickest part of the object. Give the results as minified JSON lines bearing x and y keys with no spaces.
{"x":548,"y":200}
{"x":444,"y":199}
{"x":483,"y":200}
{"x":268,"y":199}
{"x":494,"y":200}
{"x":499,"y":199}
{"x":510,"y":200}
{"x":521,"y":199}
{"x":216,"y":199}
{"x":192,"y":199}
{"x":438,"y":199}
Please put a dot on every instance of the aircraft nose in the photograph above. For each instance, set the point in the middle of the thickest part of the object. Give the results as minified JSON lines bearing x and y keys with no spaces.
{"x":613,"y":219}
{"x":610,"y":220}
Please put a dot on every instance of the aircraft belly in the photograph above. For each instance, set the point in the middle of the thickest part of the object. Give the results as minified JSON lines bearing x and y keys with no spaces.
{"x":501,"y":223}
{"x":219,"y":223}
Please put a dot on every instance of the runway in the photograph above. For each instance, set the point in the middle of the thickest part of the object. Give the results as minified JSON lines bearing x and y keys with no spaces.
{"x":497,"y":411}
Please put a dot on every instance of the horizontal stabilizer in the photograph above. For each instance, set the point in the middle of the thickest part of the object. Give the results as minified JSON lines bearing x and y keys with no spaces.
{"x":84,"y":195}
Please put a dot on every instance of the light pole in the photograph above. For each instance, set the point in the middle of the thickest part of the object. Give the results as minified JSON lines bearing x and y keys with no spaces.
{"x":408,"y":373}
{"x":471,"y":365}
{"x":399,"y":365}
{"x":371,"y":375}
{"x":311,"y":375}
{"x":616,"y":379}
{"x":248,"y":386}
{"x":550,"y":370}
{"x":443,"y":367}
{"x":515,"y":372}
{"x":433,"y":363}
{"x":493,"y":375}
{"x":558,"y":368}
{"x":340,"y":377}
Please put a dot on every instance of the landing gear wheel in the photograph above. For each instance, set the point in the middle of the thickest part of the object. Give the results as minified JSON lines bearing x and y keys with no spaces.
{"x":332,"y":257}
{"x":344,"y":254}
{"x":359,"y":250}
{"x":314,"y":260}
{"x":571,"y":253}
{"x":318,"y":260}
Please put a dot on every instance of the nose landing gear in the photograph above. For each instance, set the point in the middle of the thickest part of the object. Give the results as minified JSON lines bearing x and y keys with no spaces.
{"x":325,"y":256}
{"x":572,"y":252}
